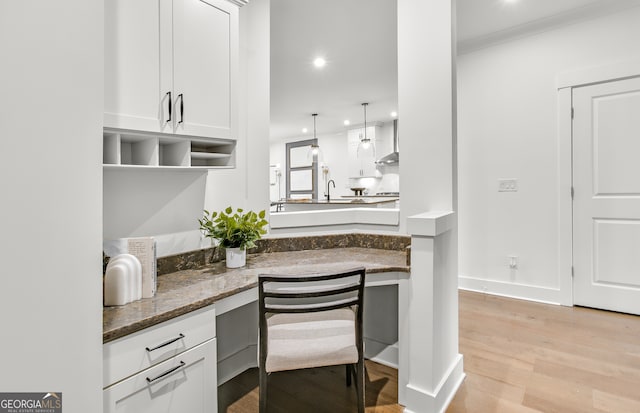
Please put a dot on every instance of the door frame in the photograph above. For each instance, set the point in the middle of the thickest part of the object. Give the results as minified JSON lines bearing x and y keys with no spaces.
{"x":313,"y":168}
{"x":565,"y":82}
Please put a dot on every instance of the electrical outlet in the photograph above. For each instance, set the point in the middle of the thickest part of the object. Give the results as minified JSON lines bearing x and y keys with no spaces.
{"x":507,"y":185}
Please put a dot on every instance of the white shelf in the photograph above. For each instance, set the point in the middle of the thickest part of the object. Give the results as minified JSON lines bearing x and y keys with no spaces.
{"x":208,"y":155}
{"x":144,"y":150}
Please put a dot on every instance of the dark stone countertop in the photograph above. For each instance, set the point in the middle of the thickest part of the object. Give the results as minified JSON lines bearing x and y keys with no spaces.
{"x":184,"y":291}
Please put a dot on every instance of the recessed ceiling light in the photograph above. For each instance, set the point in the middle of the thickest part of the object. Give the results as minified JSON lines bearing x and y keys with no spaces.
{"x":319,"y":62}
{"x":394,"y":114}
{"x":347,"y":123}
{"x":305,"y":130}
{"x":510,"y":1}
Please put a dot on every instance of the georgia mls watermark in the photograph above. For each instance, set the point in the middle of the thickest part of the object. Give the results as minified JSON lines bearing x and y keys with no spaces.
{"x":30,"y":402}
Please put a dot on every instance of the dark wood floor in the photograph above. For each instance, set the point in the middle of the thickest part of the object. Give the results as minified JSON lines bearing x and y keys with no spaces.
{"x":519,"y":356}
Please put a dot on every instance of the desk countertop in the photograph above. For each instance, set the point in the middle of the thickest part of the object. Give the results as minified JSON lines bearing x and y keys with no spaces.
{"x":185,"y":291}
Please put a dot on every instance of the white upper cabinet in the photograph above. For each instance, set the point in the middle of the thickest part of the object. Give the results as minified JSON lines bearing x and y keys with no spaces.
{"x":205,"y":65}
{"x":132,"y":95}
{"x":171,"y":66}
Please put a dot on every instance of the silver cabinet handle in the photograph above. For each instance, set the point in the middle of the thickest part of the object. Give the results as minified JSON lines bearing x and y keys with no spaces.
{"x":166,"y":343}
{"x":166,"y":373}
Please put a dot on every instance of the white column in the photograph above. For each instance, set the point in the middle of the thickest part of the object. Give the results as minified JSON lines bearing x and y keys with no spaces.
{"x":427,"y":106}
{"x":430,"y":365}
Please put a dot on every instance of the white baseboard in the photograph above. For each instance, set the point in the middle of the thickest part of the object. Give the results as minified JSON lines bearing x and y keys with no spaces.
{"x":421,"y":401}
{"x":237,"y":363}
{"x":386,"y":354}
{"x":511,"y":290}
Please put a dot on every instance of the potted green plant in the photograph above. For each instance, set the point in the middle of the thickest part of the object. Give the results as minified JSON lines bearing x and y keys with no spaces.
{"x":235,"y":231}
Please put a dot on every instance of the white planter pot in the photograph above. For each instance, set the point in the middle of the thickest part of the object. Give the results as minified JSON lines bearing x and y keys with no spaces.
{"x":236,"y":257}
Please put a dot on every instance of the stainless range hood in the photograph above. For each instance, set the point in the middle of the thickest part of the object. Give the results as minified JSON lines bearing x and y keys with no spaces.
{"x":394,"y":157}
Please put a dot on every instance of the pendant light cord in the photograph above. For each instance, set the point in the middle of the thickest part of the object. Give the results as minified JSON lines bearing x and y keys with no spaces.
{"x":314,"y":125}
{"x":365,"y":121}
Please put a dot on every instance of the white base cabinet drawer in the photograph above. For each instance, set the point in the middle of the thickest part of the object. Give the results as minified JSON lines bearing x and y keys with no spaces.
{"x":138,"y":351}
{"x":185,"y":383}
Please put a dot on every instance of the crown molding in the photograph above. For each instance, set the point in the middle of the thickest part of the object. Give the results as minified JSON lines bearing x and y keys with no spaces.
{"x":239,"y":3}
{"x":577,"y":15}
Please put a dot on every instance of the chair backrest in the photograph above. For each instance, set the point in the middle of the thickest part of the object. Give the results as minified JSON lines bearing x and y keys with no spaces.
{"x":282,"y":293}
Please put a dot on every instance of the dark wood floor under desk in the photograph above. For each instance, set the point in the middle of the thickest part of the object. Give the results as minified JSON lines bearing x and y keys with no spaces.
{"x":519,"y":356}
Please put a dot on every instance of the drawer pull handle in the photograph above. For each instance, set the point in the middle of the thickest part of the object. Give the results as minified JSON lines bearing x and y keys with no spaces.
{"x":166,"y":343}
{"x":166,"y":373}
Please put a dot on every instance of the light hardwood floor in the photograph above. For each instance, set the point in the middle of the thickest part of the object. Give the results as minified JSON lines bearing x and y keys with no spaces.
{"x":519,"y":357}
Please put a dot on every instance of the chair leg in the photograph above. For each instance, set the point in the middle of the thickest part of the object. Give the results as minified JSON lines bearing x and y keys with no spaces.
{"x":348,"y":368}
{"x":263,"y":391}
{"x":360,"y":385}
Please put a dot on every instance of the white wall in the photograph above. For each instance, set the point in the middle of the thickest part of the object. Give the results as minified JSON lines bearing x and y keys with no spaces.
{"x":507,"y":116}
{"x":51,"y":179}
{"x":166,"y":205}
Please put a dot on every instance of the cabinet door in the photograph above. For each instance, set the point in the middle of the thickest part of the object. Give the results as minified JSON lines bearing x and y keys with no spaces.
{"x":368,"y":156}
{"x":133,"y":31}
{"x":355,"y":164}
{"x":205,"y":67}
{"x":184,"y":383}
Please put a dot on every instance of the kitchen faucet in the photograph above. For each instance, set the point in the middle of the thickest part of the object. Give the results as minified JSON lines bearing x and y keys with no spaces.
{"x":328,"y":192}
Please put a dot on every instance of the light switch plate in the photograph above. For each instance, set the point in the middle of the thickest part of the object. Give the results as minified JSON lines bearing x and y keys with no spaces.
{"x":507,"y":185}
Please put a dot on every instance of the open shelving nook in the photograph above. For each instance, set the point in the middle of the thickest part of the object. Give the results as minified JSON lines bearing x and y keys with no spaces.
{"x":135,"y":149}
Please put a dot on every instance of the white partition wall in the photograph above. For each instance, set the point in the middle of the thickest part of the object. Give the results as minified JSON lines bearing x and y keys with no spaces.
{"x":430,"y":366}
{"x":51,"y":214}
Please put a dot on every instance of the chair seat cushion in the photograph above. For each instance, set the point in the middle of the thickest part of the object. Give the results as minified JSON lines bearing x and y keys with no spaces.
{"x":305,"y":340}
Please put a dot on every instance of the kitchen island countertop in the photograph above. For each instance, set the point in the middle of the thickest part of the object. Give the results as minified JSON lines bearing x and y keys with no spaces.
{"x":341,"y":200}
{"x":181,"y":292}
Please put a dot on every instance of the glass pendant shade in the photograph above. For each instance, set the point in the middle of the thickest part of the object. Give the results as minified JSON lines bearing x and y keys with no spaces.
{"x":366,"y":147}
{"x":314,"y":153}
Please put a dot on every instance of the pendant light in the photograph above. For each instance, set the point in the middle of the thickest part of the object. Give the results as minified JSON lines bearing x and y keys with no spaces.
{"x":366,"y":147}
{"x":314,"y":153}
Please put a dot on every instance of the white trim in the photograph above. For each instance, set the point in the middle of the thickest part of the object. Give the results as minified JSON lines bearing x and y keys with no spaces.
{"x":438,"y":400}
{"x":339,"y":216}
{"x":382,"y":353}
{"x":506,"y":289}
{"x":598,"y":74}
{"x":239,"y":3}
{"x":237,"y":363}
{"x":555,"y":21}
{"x":565,"y":82}
{"x":431,"y":224}
{"x":236,"y":301}
{"x":565,"y":202}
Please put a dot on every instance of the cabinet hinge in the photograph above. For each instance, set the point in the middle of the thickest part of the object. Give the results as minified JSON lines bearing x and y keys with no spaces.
{"x":572,"y":272}
{"x":572,"y":112}
{"x":572,"y":193}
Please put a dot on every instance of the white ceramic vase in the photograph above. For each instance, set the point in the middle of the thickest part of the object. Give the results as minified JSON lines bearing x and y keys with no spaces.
{"x":236,"y":257}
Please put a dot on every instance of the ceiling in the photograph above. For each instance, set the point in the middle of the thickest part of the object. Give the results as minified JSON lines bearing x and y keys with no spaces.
{"x":358,"y":40}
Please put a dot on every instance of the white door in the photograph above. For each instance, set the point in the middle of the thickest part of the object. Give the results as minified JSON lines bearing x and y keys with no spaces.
{"x":205,"y":48}
{"x":606,"y":209}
